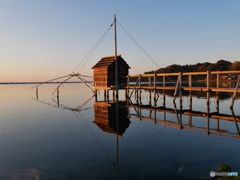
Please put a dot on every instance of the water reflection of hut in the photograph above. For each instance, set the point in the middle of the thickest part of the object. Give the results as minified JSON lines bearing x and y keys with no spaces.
{"x":106,"y":117}
{"x":104,"y":72}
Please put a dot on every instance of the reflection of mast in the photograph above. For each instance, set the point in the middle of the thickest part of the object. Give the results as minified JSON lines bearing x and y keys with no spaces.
{"x":112,"y":118}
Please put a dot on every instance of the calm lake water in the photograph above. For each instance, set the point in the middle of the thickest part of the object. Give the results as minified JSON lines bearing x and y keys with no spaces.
{"x":39,"y":140}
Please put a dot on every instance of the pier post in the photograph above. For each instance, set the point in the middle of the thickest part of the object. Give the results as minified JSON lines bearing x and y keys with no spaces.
{"x":155,"y":100}
{"x":105,"y":95}
{"x":218,"y":81}
{"x":208,"y":102}
{"x":164,"y":98}
{"x":208,"y":87}
{"x":155,"y":116}
{"x":58,"y":96}
{"x":150,"y":98}
{"x":235,"y":92}
{"x":208,"y":107}
{"x":180,"y":89}
{"x":190,"y":120}
{"x":58,"y":92}
{"x":113,"y":95}
{"x":217,"y":95}
{"x":117,"y":91}
{"x":149,"y":81}
{"x":140,"y":91}
{"x":95,"y":93}
{"x":136,"y":95}
{"x":190,"y":100}
{"x":217,"y":102}
{"x":149,"y":91}
{"x":190,"y":80}
{"x":127,"y":88}
{"x":208,"y":80}
{"x":190,"y":92}
{"x":37,"y":92}
{"x":164,"y":81}
{"x":126,"y":95}
{"x":208,"y":125}
{"x":150,"y":113}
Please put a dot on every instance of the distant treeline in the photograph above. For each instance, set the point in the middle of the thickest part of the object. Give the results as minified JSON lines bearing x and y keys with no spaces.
{"x":221,"y":65}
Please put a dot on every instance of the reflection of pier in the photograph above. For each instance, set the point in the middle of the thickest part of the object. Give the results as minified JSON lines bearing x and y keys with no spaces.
{"x":178,"y":124}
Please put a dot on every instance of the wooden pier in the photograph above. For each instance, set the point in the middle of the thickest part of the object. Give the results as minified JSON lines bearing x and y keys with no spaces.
{"x":151,"y":83}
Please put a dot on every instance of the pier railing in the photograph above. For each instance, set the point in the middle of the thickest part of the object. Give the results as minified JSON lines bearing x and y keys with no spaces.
{"x":158,"y":82}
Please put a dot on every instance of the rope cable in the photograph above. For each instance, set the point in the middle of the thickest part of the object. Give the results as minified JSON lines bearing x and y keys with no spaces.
{"x":95,"y":137}
{"x":93,"y":49}
{"x":144,"y":51}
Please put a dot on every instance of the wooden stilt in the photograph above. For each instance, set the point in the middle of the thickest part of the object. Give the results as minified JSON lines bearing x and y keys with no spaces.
{"x":150,"y":97}
{"x":190,"y":120}
{"x":113,"y":95}
{"x":217,"y":102}
{"x":208,"y":102}
{"x":58,"y":96}
{"x":164,"y":98}
{"x":117,"y":94}
{"x":190,"y":80}
{"x":105,"y":95}
{"x":208,"y":87}
{"x":217,"y":123}
{"x":150,"y":113}
{"x":95,"y":93}
{"x":235,"y":92}
{"x":58,"y":92}
{"x":180,"y":91}
{"x":140,"y":91}
{"x":164,"y":81}
{"x":37,"y":92}
{"x":155,"y":100}
{"x":108,"y":95}
{"x":208,"y":125}
{"x":177,"y":87}
{"x":190,"y":100}
{"x":155,"y":116}
{"x":126,"y":95}
{"x":218,"y":81}
{"x":190,"y":92}
{"x":208,"y":80}
{"x":137,"y":100}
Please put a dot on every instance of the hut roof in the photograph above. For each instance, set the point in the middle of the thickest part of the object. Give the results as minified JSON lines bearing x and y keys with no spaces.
{"x":108,"y":60}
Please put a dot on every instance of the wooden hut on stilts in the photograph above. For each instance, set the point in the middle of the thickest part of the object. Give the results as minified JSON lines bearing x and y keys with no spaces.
{"x":105,"y":76}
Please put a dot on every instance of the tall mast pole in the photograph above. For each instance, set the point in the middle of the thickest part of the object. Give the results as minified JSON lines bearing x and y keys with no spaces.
{"x":116,"y":64}
{"x":116,"y":85}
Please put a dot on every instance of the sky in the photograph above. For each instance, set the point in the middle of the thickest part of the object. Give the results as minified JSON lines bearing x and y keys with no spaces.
{"x":45,"y":39}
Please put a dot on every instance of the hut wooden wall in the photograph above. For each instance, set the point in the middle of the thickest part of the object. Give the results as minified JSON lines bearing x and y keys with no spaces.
{"x":101,"y":77}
